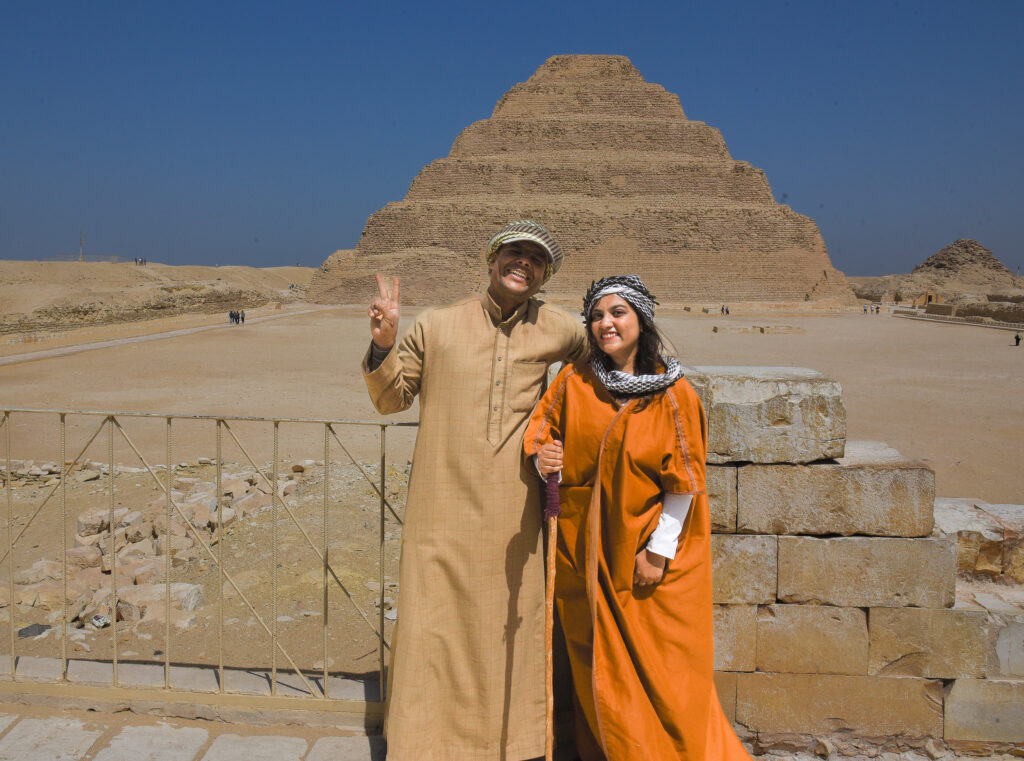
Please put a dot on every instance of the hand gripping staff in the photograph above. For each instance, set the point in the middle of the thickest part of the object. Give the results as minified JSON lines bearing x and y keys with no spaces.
{"x":551,"y":510}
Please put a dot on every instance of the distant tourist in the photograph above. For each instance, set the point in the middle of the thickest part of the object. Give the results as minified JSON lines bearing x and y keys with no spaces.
{"x":1016,"y":340}
{"x":467,"y":664}
{"x":241,"y":316}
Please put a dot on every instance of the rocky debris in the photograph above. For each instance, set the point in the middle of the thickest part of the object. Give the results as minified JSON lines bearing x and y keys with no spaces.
{"x":141,"y":537}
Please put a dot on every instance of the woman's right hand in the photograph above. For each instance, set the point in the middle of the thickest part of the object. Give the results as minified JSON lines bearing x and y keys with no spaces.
{"x":384,"y":313}
{"x":549,"y":458}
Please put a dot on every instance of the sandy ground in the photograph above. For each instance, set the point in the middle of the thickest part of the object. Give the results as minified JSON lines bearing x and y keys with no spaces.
{"x":26,"y":286}
{"x":948,"y":395}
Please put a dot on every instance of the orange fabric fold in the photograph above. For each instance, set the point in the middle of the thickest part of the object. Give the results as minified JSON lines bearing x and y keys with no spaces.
{"x":641,"y":657}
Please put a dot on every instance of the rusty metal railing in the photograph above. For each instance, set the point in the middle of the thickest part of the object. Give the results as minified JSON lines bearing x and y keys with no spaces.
{"x":114,"y":425}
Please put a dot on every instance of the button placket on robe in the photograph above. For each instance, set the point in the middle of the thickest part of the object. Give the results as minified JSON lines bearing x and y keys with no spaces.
{"x":500,"y":364}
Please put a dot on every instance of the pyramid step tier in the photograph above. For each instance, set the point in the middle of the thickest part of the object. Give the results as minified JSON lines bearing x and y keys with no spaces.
{"x":495,"y":136}
{"x":561,"y":98}
{"x":692,"y":184}
{"x":683,"y":255}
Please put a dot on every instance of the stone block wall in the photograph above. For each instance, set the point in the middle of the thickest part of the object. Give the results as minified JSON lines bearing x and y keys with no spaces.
{"x":838,"y":619}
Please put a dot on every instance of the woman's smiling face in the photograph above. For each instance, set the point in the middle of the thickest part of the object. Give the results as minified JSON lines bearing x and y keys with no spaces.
{"x":616,"y":329}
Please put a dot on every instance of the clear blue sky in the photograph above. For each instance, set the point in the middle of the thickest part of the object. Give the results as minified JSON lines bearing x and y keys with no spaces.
{"x":266,"y":133}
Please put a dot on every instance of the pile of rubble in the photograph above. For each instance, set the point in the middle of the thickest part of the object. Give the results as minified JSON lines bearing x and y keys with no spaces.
{"x":142,"y":539}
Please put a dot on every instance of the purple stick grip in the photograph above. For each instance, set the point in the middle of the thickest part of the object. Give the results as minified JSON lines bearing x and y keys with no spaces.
{"x":551,"y":505}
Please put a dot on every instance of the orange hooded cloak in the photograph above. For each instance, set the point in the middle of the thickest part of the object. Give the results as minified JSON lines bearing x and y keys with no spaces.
{"x":641,"y":657}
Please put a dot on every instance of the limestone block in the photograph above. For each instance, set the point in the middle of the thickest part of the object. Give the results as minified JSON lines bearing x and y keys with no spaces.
{"x":144,"y":596}
{"x":985,"y":710}
{"x":735,"y":637}
{"x":744,"y":569}
{"x":872,"y":489}
{"x":120,"y":540}
{"x":226,"y":513}
{"x":812,"y":639}
{"x":1011,"y":517}
{"x":41,"y":570}
{"x":177,"y":527}
{"x":1008,"y":657}
{"x":92,"y":522}
{"x":176,"y":543}
{"x":725,"y":686}
{"x":867,"y":571}
{"x":770,"y":414}
{"x":250,"y":503}
{"x":142,"y":548}
{"x":84,"y":557}
{"x":234,"y":488}
{"x":942,"y":644}
{"x":136,"y":532}
{"x":827,"y":704}
{"x":721,"y":481}
{"x":131,"y":518}
{"x":978,"y":535}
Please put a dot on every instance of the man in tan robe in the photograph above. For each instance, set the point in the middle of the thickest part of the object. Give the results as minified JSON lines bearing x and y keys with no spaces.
{"x":466,"y":679}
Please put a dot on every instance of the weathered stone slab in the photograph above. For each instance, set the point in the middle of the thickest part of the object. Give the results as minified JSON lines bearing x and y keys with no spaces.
{"x":872,"y":489}
{"x":744,"y":568}
{"x":985,"y":710}
{"x":821,"y":703}
{"x":725,"y":686}
{"x":978,"y":535}
{"x":942,"y":644}
{"x":1007,"y":660}
{"x":159,"y":743}
{"x":867,"y":571}
{"x":1011,"y":517}
{"x":237,"y":748}
{"x":721,"y":480}
{"x":770,"y":414}
{"x":812,"y":639}
{"x":735,"y":637}
{"x":49,"y":738}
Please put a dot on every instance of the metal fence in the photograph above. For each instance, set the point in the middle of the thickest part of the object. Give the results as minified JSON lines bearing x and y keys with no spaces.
{"x":282,"y":677}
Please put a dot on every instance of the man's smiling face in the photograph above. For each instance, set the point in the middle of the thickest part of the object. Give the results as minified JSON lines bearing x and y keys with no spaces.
{"x":517,"y":272}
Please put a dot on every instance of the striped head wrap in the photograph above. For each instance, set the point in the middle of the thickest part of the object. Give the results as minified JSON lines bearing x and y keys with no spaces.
{"x":629,"y":287}
{"x":525,"y":229}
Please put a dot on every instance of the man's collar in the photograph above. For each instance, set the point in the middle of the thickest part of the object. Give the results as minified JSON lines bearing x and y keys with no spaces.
{"x":494,"y":311}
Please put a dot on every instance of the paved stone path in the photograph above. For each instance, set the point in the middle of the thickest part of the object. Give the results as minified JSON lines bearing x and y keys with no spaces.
{"x":49,"y":734}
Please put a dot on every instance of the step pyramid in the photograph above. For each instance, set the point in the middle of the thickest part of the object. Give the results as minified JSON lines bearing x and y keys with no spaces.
{"x":610,"y":164}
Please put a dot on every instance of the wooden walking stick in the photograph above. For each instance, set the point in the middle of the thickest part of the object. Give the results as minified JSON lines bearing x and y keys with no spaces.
{"x":551,"y":511}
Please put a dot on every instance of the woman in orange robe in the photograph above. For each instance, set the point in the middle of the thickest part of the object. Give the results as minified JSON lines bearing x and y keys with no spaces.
{"x":633,"y":568}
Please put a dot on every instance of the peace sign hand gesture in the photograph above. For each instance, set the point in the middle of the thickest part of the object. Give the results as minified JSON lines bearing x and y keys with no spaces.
{"x":384,"y":313}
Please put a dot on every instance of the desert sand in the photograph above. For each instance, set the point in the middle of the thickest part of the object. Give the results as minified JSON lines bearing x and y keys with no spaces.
{"x":948,"y":395}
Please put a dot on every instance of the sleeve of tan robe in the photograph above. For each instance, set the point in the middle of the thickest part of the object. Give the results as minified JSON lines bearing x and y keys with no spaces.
{"x":395,"y":382}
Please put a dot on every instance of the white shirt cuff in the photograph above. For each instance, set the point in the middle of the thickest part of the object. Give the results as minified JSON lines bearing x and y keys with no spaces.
{"x":665,"y":538}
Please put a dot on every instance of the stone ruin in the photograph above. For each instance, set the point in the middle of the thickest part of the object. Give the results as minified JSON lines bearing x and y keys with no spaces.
{"x":141,"y":539}
{"x":623,"y":180}
{"x":854,"y":613}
